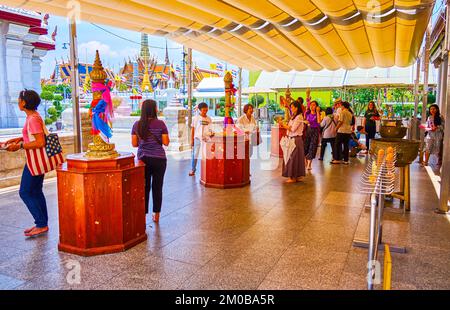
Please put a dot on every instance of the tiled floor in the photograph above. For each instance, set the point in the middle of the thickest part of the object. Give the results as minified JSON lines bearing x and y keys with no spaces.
{"x":269,"y":235}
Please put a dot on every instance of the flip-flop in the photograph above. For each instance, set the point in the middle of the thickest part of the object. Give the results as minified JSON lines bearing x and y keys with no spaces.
{"x":28,"y":230}
{"x":34,"y":233}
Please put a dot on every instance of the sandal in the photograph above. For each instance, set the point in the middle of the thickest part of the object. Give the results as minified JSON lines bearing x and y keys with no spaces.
{"x":28,"y":230}
{"x":37,"y":231}
{"x":155,"y":217}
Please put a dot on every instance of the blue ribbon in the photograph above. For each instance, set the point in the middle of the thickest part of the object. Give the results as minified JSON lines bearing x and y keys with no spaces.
{"x":97,"y":122}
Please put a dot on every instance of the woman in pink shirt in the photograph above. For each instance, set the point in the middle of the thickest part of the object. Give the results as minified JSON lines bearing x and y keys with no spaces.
{"x":294,"y":168}
{"x":33,"y":137}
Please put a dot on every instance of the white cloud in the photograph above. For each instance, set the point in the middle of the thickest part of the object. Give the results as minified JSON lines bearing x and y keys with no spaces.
{"x":88,"y":49}
{"x":112,"y":57}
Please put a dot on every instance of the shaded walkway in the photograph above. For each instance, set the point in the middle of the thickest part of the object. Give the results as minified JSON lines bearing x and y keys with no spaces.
{"x":266,"y":236}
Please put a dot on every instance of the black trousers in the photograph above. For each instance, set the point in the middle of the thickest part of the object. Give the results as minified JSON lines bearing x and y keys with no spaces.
{"x":342,"y":138}
{"x":155,"y":168}
{"x":323,"y":146}
{"x":371,"y":131}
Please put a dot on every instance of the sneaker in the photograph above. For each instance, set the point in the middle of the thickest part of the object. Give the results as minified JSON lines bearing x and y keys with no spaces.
{"x":346,"y":162}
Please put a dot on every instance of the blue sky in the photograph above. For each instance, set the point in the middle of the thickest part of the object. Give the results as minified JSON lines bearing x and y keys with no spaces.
{"x":113,"y":50}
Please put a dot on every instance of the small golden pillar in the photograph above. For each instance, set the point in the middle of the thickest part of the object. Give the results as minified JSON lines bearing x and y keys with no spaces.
{"x":228,"y":79}
{"x":289,"y":100}
{"x":99,"y":149}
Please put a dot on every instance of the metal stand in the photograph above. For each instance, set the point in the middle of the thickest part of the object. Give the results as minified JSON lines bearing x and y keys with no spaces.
{"x":378,"y":180}
{"x":404,"y":194}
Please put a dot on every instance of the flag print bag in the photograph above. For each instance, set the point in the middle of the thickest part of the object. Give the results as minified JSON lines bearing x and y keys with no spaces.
{"x":47,"y":158}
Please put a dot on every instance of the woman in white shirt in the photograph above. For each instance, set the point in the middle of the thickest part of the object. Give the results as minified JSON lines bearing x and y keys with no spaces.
{"x":294,"y":169}
{"x":247,"y":124}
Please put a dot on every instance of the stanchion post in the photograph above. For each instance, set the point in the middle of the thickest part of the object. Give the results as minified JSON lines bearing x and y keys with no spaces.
{"x":445,"y":172}
{"x":75,"y":86}
{"x":189,"y":78}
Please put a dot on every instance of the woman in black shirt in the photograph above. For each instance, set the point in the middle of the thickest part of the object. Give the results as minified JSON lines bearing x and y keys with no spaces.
{"x":370,"y":124}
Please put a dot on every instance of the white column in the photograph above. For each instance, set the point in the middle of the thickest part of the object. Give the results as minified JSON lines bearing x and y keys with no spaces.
{"x":27,"y":77}
{"x":14,"y":80}
{"x":3,"y":85}
{"x":36,"y":61}
{"x":14,"y":47}
{"x":445,"y":169}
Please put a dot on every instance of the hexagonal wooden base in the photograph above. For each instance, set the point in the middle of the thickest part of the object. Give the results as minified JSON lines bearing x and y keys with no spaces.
{"x":225,"y":162}
{"x":101,"y":204}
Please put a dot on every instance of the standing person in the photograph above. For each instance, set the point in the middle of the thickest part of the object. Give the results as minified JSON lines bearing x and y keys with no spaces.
{"x":369,"y":122}
{"x":328,"y":126}
{"x":344,"y":131}
{"x":294,"y":168}
{"x":149,"y":134}
{"x":33,"y":137}
{"x":313,"y":120}
{"x":434,"y":133}
{"x":247,"y":124}
{"x":337,"y":106}
{"x":201,"y":130}
{"x":301,"y":102}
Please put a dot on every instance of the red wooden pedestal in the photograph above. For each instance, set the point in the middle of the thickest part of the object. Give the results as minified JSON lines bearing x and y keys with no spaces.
{"x":101,"y":205}
{"x":225,"y":162}
{"x":275,"y":137}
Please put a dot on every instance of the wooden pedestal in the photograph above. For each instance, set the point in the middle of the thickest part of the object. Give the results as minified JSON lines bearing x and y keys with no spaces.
{"x":101,"y":204}
{"x":275,"y":137}
{"x":225,"y":162}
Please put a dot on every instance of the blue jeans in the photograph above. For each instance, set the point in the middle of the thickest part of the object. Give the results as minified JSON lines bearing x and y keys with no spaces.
{"x":33,"y":197}
{"x":195,"y":152}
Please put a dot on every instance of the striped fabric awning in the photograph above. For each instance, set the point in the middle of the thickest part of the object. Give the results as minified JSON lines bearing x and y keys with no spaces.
{"x":270,"y":34}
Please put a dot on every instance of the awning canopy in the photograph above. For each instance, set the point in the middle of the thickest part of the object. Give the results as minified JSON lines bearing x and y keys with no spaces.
{"x":356,"y":78}
{"x":257,"y":90}
{"x":269,"y":34}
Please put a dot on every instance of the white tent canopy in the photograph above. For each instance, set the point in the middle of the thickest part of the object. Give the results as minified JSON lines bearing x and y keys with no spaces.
{"x":326,"y":79}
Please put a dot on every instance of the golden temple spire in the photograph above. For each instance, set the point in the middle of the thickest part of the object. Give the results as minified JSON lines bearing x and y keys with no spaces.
{"x":98,"y":73}
{"x":146,"y":85}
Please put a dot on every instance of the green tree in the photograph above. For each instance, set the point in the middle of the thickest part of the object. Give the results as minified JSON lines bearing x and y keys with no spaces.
{"x":221,"y":107}
{"x":47,"y":95}
{"x":257,"y":101}
{"x":194,"y":102}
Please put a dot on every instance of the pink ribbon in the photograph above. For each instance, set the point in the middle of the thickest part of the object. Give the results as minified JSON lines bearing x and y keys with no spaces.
{"x":106,"y":95}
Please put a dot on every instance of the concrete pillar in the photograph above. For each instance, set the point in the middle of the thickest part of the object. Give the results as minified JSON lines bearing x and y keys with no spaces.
{"x":27,"y":66}
{"x":13,"y":60}
{"x":3,"y":84}
{"x":36,"y":61}
{"x":445,"y":169}
{"x":442,"y":88}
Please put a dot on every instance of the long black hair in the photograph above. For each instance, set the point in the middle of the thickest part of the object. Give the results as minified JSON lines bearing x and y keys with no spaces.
{"x":299,"y":108}
{"x":148,"y":113}
{"x":437,"y":117}
{"x":374,"y":107}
